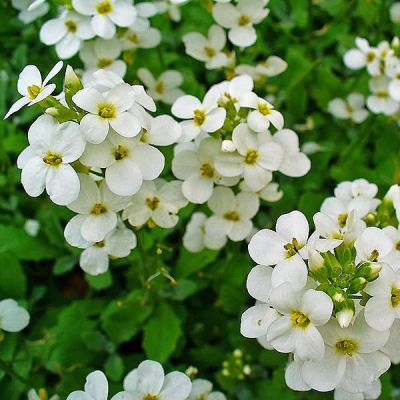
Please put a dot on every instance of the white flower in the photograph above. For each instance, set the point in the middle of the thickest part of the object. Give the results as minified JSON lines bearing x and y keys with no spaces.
{"x":165,"y":88}
{"x":392,"y":346}
{"x":196,"y":168}
{"x":158,"y":201}
{"x":394,"y":85}
{"x":272,"y":66}
{"x":384,"y":306}
{"x":171,"y":7}
{"x":45,"y":163}
{"x":107,"y":111}
{"x":162,"y":130}
{"x":205,"y":116}
{"x":32,"y":88}
{"x":231,"y":91}
{"x":232,"y":214}
{"x":372,"y":392}
{"x":286,"y":248}
{"x":380,"y":101}
{"x":13,"y":318}
{"x":364,"y":55}
{"x":263,"y":115}
{"x":207,"y":49}
{"x":196,"y":236}
{"x":97,"y":207}
{"x":351,"y":108}
{"x":351,"y":360}
{"x":66,"y":32}
{"x":127,"y":161}
{"x":140,"y":36}
{"x":96,"y":388}
{"x":255,"y":158}
{"x":373,"y":245}
{"x":395,"y":12}
{"x":240,"y":18}
{"x":335,"y":231}
{"x":30,"y":9}
{"x":202,"y":390}
{"x":350,"y":190}
{"x":148,"y":381}
{"x":106,"y":14}
{"x":295,"y":330}
{"x":94,"y":259}
{"x":102,"y":54}
{"x":294,"y":163}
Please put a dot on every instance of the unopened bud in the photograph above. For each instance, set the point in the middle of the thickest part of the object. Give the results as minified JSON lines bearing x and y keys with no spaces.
{"x":345,"y":313}
{"x":228,"y":146}
{"x":357,"y":284}
{"x":72,"y":84}
{"x":317,"y":266}
{"x":369,"y":270}
{"x":332,"y":263}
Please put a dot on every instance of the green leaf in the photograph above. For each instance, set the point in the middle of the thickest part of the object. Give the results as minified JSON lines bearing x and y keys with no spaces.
{"x":25,"y":247}
{"x":161,"y":333}
{"x":12,"y":277}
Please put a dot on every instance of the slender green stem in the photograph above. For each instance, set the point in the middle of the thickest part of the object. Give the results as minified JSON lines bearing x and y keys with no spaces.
{"x":9,"y":371}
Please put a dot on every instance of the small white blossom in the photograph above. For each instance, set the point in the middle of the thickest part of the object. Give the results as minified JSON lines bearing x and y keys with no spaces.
{"x":165,"y":88}
{"x":106,"y":15}
{"x":46,"y":162}
{"x":351,"y":108}
{"x":148,"y":381}
{"x":32,"y":88}
{"x":13,"y":318}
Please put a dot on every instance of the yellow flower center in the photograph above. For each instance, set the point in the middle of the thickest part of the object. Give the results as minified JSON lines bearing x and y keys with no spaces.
{"x":104,"y":7}
{"x":52,"y":159}
{"x":232,"y":216}
{"x":151,"y":397}
{"x":382,"y":94}
{"x":299,"y":319}
{"x":263,"y":108}
{"x":292,"y":248}
{"x":346,"y":347}
{"x":244,"y":20}
{"x":71,"y":26}
{"x":33,"y":91}
{"x":99,"y":209}
{"x":160,"y":87}
{"x":104,"y":62}
{"x":42,"y":394}
{"x":100,"y":244}
{"x":132,"y":37}
{"x":370,"y":56}
{"x":152,"y":203}
{"x":107,"y":111}
{"x":342,"y":219}
{"x":251,"y":157}
{"x":374,"y":256}
{"x":120,"y":153}
{"x":210,"y":51}
{"x":397,"y":246}
{"x":395,"y":296}
{"x":207,"y":170}
{"x":199,"y":117}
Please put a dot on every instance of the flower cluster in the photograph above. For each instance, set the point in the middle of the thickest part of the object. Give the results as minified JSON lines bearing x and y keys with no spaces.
{"x":148,"y":381}
{"x":331,"y":299}
{"x":383,"y":65}
{"x":228,"y":158}
{"x":95,"y":152}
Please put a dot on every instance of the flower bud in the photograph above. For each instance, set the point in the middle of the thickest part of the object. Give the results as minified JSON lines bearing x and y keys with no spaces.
{"x":369,"y":270}
{"x":317,"y":266}
{"x":228,"y":146}
{"x":357,"y":284}
{"x":345,"y":313}
{"x":72,"y":84}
